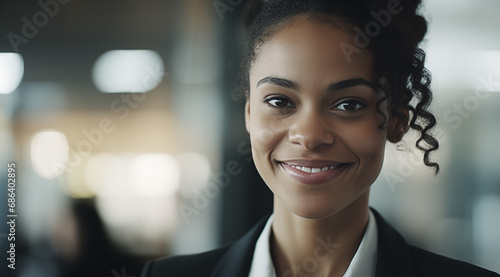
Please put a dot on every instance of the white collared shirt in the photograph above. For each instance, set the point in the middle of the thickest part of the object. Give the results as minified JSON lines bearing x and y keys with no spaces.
{"x":362,"y":264}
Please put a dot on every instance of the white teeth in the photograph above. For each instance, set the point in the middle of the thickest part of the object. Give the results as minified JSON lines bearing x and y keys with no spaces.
{"x":313,"y":169}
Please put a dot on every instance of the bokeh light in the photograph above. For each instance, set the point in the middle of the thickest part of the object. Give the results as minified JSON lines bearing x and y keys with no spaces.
{"x":194,"y":170}
{"x":118,"y":71}
{"x":155,"y":175}
{"x":49,"y":153}
{"x":11,"y":72}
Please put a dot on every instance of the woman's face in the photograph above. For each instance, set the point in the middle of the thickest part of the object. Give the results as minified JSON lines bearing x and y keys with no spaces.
{"x":313,"y":123}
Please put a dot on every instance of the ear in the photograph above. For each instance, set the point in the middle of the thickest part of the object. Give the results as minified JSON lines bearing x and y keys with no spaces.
{"x":247,"y":115}
{"x":397,"y":125}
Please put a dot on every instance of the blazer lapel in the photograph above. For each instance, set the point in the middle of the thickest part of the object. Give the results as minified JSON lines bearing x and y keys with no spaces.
{"x":238,"y":258}
{"x":393,"y":254}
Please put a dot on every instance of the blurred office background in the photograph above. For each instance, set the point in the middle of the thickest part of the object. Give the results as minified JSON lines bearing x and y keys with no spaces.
{"x":127,"y":130}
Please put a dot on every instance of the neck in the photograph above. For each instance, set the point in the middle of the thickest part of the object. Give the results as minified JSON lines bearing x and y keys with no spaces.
{"x":317,"y":247}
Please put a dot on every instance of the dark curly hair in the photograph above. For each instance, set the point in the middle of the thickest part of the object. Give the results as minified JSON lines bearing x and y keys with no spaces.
{"x":399,"y":71}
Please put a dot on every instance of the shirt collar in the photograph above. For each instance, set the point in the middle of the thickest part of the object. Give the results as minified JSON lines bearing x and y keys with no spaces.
{"x":363,"y":263}
{"x":262,"y":264}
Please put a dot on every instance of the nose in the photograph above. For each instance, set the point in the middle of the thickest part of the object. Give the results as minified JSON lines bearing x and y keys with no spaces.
{"x":311,"y":130}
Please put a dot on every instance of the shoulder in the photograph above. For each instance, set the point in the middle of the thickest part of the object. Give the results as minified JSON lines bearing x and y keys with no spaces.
{"x":431,"y":264}
{"x":185,"y":265}
{"x":395,"y":257}
{"x":232,"y":260}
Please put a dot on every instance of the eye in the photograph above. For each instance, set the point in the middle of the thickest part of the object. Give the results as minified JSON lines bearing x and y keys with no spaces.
{"x":350,"y":106}
{"x":279,"y":102}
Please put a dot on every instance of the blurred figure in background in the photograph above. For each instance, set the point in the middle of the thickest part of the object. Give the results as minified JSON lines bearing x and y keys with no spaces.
{"x":83,"y":247}
{"x":78,"y":246}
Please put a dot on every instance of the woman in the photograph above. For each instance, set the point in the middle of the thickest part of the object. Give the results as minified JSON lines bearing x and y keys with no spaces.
{"x":329,"y":82}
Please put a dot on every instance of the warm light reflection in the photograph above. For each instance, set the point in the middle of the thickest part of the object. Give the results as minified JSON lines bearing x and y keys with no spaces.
{"x":49,"y":153}
{"x":194,"y":169}
{"x":102,"y":170}
{"x":128,"y":71}
{"x":11,"y":71}
{"x":132,"y":192}
{"x":155,"y":175}
{"x":137,"y":222}
{"x":74,"y":184}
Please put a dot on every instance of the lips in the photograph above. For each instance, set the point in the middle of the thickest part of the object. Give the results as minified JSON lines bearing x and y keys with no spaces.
{"x":314,"y":172}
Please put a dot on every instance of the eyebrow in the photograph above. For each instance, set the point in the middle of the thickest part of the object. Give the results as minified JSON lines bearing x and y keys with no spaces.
{"x":333,"y":87}
{"x":279,"y":82}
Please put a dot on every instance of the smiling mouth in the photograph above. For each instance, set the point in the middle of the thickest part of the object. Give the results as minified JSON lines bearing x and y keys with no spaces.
{"x":313,"y":172}
{"x":315,"y":169}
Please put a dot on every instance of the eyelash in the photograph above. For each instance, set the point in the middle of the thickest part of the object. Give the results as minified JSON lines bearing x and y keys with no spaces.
{"x":269,"y":100}
{"x":358,"y":104}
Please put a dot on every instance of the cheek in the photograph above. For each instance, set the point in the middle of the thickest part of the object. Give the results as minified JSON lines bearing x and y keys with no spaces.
{"x":367,"y":141}
{"x":266,"y":132}
{"x":265,"y":136}
{"x":262,"y":136}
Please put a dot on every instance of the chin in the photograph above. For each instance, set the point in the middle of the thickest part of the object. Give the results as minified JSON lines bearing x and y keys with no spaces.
{"x":315,"y":210}
{"x":314,"y":214}
{"x":323,"y":205}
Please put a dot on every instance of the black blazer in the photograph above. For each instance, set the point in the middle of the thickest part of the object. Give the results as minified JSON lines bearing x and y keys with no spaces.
{"x":394,"y":258}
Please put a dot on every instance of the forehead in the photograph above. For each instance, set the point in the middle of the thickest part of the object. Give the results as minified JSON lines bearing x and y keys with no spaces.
{"x":305,"y":48}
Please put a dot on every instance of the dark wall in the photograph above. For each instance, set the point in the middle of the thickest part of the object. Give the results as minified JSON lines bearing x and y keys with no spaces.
{"x":246,"y":199}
